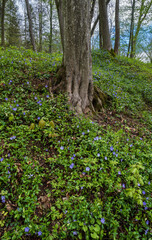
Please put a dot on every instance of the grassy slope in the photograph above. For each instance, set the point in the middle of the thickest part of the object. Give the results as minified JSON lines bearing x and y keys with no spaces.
{"x":64,"y":177}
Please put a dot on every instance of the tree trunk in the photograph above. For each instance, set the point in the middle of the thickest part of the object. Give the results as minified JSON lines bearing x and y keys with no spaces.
{"x":51,"y":27}
{"x":117,"y":28}
{"x":60,"y":9}
{"x":104,"y":26}
{"x":131,"y":29}
{"x":40,"y":25}
{"x":2,"y":22}
{"x":77,"y":53}
{"x":30,"y":25}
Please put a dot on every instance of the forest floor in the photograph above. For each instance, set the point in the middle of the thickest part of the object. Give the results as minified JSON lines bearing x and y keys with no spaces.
{"x":64,"y":176}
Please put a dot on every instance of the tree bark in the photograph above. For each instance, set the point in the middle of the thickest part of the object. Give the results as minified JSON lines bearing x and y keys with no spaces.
{"x":104,"y":26}
{"x":30,"y":25}
{"x":51,"y":27}
{"x":60,"y":9}
{"x":40,"y":24}
{"x":77,"y":53}
{"x":2,"y":22}
{"x":131,"y":28}
{"x":117,"y":28}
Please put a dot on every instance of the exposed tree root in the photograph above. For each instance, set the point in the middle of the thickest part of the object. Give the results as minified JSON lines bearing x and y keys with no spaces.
{"x":57,"y":85}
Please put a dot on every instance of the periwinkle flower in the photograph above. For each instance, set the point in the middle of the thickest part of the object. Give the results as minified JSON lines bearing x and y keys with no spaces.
{"x":3,"y":199}
{"x":39,"y":233}
{"x":75,"y":233}
{"x":147,"y":222}
{"x":87,"y":169}
{"x":61,"y":147}
{"x":98,"y":155}
{"x":123,"y":185}
{"x":144,"y":203}
{"x":146,"y":232}
{"x":111,"y":148}
{"x":102,"y":220}
{"x":1,"y":159}
{"x":119,"y":173}
{"x":143,"y":192}
{"x":106,"y":158}
{"x":72,"y":165}
{"x":26,"y":229}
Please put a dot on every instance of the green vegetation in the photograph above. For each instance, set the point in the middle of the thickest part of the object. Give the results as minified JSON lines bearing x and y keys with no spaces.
{"x":69,"y":177}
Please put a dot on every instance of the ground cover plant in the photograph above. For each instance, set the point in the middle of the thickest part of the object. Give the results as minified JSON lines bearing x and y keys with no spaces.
{"x":69,"y":177}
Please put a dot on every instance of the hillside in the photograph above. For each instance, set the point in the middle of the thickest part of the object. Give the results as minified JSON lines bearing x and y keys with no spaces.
{"x":69,"y":177}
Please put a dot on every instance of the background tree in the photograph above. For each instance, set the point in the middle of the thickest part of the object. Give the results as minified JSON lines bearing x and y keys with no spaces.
{"x":2,"y":22}
{"x":30,"y":25}
{"x":117,"y":28}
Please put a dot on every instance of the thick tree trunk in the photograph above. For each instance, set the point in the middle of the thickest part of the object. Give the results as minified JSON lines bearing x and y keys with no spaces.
{"x":2,"y":22}
{"x":117,"y":28}
{"x":30,"y":25}
{"x":77,"y":53}
{"x":104,"y":25}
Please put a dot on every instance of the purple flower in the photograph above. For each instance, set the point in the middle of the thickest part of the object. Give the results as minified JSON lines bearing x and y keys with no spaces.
{"x":38,"y":118}
{"x":46,"y":86}
{"x":147,"y":222}
{"x":27,"y":229}
{"x":102,"y":220}
{"x":47,"y":96}
{"x":72,"y":158}
{"x":14,"y":109}
{"x":81,"y":188}
{"x":143,"y":192}
{"x":123,"y":185}
{"x":75,"y":233}
{"x":98,"y":155}
{"x":149,"y":182}
{"x":72,"y":165}
{"x":87,"y":169}
{"x":1,"y":159}
{"x":13,"y":137}
{"x":3,"y":199}
{"x":146,"y":232}
{"x":111,"y":148}
{"x":39,"y":233}
{"x":119,"y":173}
{"x":27,"y":82}
{"x":144,"y":203}
{"x":6,"y":99}
{"x":138,"y":184}
{"x":61,"y":147}
{"x":114,"y":153}
{"x":146,"y":208}
{"x":83,"y":133}
{"x":131,"y":145}
{"x":105,"y":158}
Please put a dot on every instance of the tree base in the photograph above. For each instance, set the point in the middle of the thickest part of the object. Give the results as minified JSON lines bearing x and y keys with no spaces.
{"x":57,"y":85}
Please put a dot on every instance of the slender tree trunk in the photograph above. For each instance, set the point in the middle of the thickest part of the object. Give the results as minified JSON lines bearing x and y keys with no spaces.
{"x":30,"y":25}
{"x":77,"y":53}
{"x":61,"y":12}
{"x":2,"y":22}
{"x":104,"y":25}
{"x":94,"y":25}
{"x":51,"y":27}
{"x":117,"y":28}
{"x":40,"y":25}
{"x":131,"y":29}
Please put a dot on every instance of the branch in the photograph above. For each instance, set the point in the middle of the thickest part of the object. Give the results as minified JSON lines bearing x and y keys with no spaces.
{"x":92,"y":9}
{"x":94,"y":25}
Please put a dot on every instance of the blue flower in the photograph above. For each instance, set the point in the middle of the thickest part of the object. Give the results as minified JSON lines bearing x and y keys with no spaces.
{"x":123,"y":185}
{"x":75,"y":233}
{"x":98,"y":155}
{"x":61,"y":147}
{"x":1,"y":159}
{"x":119,"y":173}
{"x":27,"y":229}
{"x":114,"y":153}
{"x":87,"y":169}
{"x":72,"y":158}
{"x":102,"y":220}
{"x":47,"y":96}
{"x":143,"y":192}
{"x":72,"y":165}
{"x":111,"y":148}
{"x":39,"y":233}
{"x":3,"y":199}
{"x":147,"y":222}
{"x":83,"y":133}
{"x":105,"y":158}
{"x":144,"y":203}
{"x":146,"y":232}
{"x":6,"y":99}
{"x":149,"y":183}
{"x":14,"y":109}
